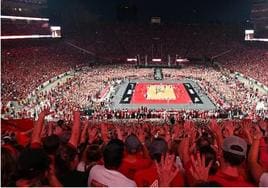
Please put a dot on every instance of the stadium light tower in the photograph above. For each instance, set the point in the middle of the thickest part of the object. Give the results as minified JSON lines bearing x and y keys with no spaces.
{"x":259,"y":21}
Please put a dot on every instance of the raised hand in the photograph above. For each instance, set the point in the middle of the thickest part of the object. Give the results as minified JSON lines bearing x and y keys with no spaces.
{"x":177,"y":131}
{"x":168,"y":137}
{"x":199,"y":170}
{"x":119,"y":133}
{"x":104,"y":133}
{"x":246,"y":129}
{"x":217,"y":131}
{"x":83,"y":137}
{"x":263,"y":125}
{"x":37,"y":130}
{"x":166,"y":170}
{"x":246,"y":126}
{"x":74,"y":139}
{"x":92,"y":134}
{"x":257,"y":133}
{"x":46,"y":111}
{"x":187,"y":127}
{"x":141,"y":136}
{"x":215,"y":127}
{"x":52,"y":178}
{"x":229,"y":128}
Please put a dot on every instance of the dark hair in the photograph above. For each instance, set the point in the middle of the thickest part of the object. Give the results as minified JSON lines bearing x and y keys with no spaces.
{"x":32,"y":163}
{"x":157,"y":148}
{"x":174,"y":147}
{"x":65,"y":155}
{"x":113,"y":154}
{"x":8,"y":167}
{"x":233,"y":159}
{"x":156,"y":156}
{"x":210,"y":155}
{"x":60,"y":123}
{"x":132,"y":144}
{"x":51,"y":144}
{"x":202,"y":142}
{"x":98,"y":141}
{"x":94,"y":153}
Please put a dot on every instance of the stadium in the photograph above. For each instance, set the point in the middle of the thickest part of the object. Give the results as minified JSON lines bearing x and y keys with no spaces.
{"x":134,"y":93}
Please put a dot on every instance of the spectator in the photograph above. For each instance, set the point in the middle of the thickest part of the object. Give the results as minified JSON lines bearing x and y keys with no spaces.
{"x":135,"y":157}
{"x":234,"y":154}
{"x":51,"y":144}
{"x":149,"y":177}
{"x":107,"y":174}
{"x":258,"y":172}
{"x":67,"y":158}
{"x":32,"y":167}
{"x":200,"y":172}
{"x":207,"y":160}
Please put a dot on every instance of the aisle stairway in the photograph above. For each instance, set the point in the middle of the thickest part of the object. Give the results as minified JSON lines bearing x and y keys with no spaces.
{"x":158,"y":74}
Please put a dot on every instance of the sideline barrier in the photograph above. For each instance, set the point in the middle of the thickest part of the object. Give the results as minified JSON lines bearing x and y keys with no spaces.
{"x":50,"y":81}
{"x":252,"y":81}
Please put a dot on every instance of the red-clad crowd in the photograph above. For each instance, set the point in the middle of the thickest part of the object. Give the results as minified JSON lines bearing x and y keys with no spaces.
{"x":250,"y":59}
{"x":130,"y":148}
{"x":30,"y":64}
{"x":232,"y":99}
{"x":144,"y":153}
{"x":121,"y":41}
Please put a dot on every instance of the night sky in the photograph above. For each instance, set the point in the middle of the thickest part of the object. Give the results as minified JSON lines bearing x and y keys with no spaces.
{"x":189,"y":11}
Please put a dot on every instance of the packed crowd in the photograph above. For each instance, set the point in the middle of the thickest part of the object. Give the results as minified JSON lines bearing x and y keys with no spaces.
{"x":225,"y":91}
{"x":80,"y":91}
{"x":231,"y":97}
{"x":65,"y":148}
{"x":251,"y":60}
{"x":27,"y":66}
{"x":121,"y":41}
{"x":90,"y":153}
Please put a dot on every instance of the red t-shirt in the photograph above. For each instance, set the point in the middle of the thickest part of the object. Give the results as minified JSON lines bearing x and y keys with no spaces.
{"x":36,"y":145}
{"x":148,"y":177}
{"x":230,"y":181}
{"x":130,"y":167}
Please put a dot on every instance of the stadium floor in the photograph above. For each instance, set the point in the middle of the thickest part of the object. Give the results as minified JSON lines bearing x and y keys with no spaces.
{"x":136,"y":93}
{"x":160,"y":93}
